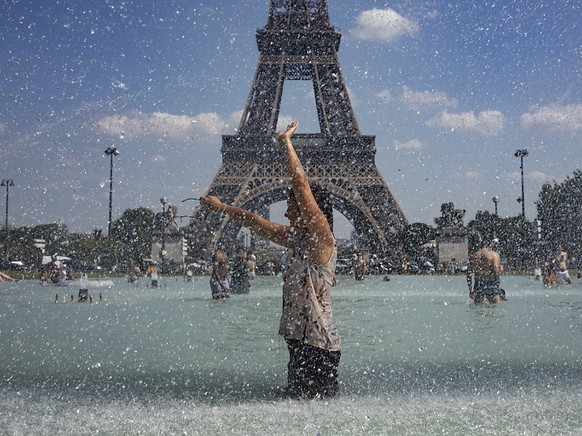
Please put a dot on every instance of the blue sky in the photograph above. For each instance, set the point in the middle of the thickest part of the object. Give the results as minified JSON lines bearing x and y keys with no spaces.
{"x":450,"y":90}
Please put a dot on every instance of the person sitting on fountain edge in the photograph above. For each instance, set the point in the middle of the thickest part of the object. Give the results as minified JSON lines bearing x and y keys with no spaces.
{"x":306,"y":322}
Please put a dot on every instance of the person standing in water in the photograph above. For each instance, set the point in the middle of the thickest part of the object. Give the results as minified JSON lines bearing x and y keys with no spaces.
{"x":562,"y":265}
{"x":306,"y":322}
{"x":240,"y":275}
{"x":219,"y":283}
{"x":252,"y":265}
{"x":483,"y":272}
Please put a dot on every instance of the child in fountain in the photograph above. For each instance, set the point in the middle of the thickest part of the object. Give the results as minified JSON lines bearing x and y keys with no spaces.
{"x":306,"y":323}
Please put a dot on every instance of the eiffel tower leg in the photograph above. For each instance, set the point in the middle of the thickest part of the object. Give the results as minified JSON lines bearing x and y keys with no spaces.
{"x":262,"y":109}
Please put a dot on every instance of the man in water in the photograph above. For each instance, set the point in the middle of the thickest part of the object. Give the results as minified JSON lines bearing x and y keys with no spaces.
{"x":240,"y":275}
{"x":483,"y":273}
{"x":562,"y":274}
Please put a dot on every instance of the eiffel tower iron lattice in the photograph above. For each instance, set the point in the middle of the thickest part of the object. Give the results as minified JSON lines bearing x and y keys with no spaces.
{"x":299,"y":43}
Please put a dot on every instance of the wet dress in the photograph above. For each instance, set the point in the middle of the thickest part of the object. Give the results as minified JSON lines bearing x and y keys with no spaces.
{"x":307,"y":326}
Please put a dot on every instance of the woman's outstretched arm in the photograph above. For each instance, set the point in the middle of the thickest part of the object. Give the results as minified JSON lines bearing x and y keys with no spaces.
{"x":321,"y":241}
{"x":277,"y":233}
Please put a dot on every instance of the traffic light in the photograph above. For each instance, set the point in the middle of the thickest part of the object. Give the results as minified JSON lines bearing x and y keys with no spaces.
{"x":184,"y":246}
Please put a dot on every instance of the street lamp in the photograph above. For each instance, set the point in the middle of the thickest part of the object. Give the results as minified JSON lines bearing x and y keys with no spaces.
{"x":495,"y":200}
{"x":521,"y":154}
{"x":163,"y":252}
{"x":8,"y":183}
{"x":110,"y":151}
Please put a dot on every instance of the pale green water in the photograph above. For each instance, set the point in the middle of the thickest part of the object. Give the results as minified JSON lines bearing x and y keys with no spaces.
{"x":417,"y":358}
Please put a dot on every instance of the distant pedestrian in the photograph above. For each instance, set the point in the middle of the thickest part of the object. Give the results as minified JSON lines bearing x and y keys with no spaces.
{"x":252,"y":265}
{"x":219,"y":283}
{"x":153,"y":275}
{"x":240,"y":275}
{"x":134,"y":273}
{"x":359,"y":267}
{"x":562,"y":264}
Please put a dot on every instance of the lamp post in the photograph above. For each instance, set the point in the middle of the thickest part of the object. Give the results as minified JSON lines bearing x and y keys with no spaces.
{"x":521,"y":154}
{"x":110,"y":151}
{"x":163,"y":252}
{"x":8,"y":183}
{"x":495,"y":200}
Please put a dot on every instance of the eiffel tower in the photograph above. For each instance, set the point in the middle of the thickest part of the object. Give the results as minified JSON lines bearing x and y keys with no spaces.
{"x":299,"y":43}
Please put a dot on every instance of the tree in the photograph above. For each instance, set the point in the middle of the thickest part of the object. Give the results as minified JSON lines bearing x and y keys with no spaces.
{"x":134,"y":231}
{"x":22,"y":242}
{"x":560,"y":211}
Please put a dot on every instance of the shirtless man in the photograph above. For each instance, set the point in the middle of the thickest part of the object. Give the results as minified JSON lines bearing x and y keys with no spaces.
{"x":562,"y":274}
{"x":483,"y":274}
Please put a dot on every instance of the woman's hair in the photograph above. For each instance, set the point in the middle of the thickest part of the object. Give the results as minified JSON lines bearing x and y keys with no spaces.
{"x":323,"y":200}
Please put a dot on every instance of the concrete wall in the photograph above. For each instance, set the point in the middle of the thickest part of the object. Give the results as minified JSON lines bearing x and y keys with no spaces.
{"x":457,"y":251}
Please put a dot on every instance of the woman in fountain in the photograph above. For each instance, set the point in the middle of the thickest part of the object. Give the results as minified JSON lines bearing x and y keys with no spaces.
{"x":306,"y":322}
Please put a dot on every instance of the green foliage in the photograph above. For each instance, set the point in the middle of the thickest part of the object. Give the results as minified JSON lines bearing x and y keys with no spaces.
{"x":131,"y":239}
{"x":560,"y":210}
{"x":133,"y":230}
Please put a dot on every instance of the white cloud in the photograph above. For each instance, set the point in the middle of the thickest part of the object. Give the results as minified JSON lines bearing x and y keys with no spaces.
{"x":159,"y":124}
{"x":487,"y":123}
{"x":414,"y":144}
{"x":471,"y":175}
{"x":514,"y":176}
{"x":417,"y":100}
{"x":552,"y":118}
{"x":539,"y":176}
{"x":383,"y":25}
{"x":234,"y":120}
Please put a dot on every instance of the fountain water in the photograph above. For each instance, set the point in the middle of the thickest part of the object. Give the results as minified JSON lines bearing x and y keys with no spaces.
{"x":417,"y":358}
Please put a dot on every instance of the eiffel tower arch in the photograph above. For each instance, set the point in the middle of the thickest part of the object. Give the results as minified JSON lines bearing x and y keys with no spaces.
{"x":299,"y":43}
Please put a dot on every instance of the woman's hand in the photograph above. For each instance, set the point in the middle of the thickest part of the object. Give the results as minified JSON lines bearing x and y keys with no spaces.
{"x":284,"y":137}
